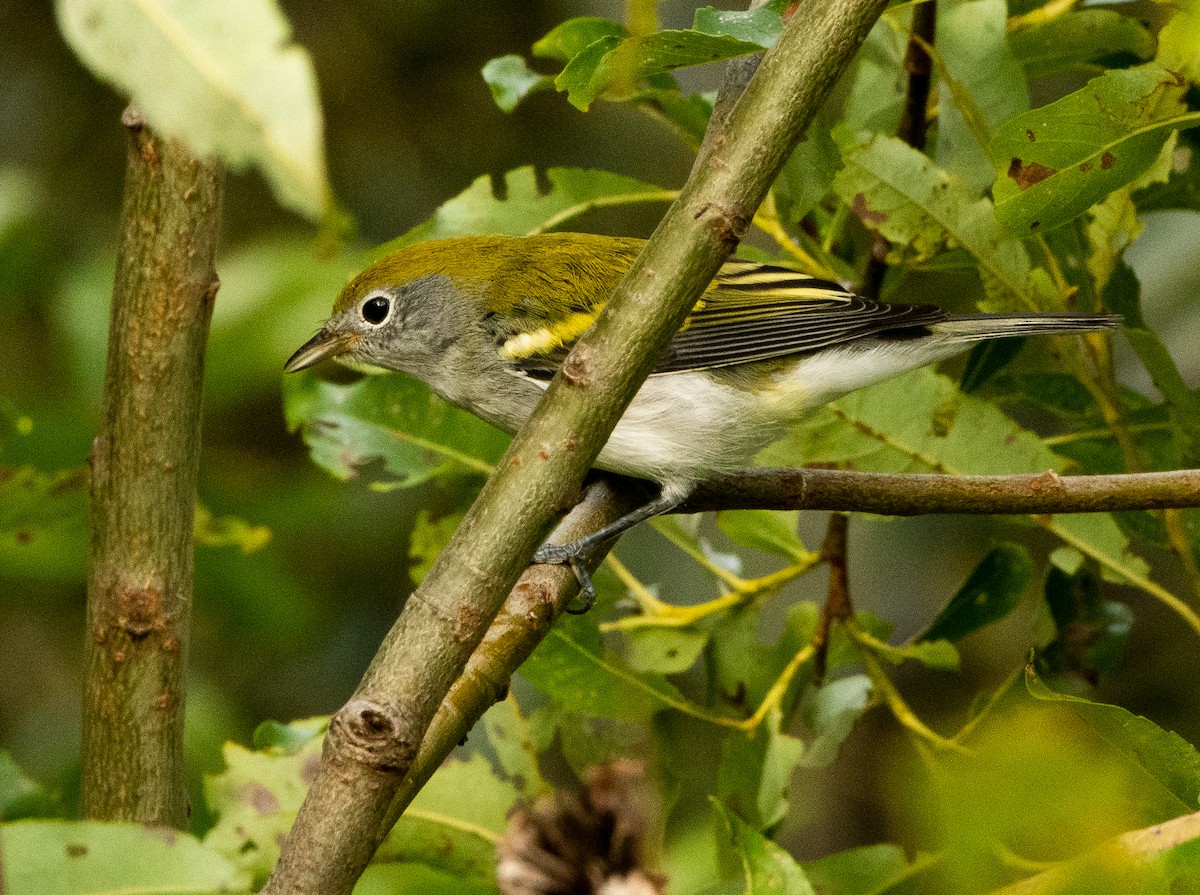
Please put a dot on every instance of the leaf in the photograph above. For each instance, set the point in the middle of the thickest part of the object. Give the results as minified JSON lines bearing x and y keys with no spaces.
{"x":760,"y":26}
{"x":289,"y":738}
{"x":222,"y":75}
{"x":1123,"y":296}
{"x":743,"y":667}
{"x":766,"y":530}
{"x":830,"y":711}
{"x":897,"y":192}
{"x":20,"y":796}
{"x":87,"y":857}
{"x":1057,"y":161}
{"x":509,"y":734}
{"x":919,"y":422}
{"x":256,"y":799}
{"x":573,"y":667}
{"x":868,"y":869}
{"x":1091,"y":631}
{"x":1080,"y":40}
{"x":526,"y":206}
{"x":807,"y":177}
{"x":993,"y":590}
{"x":572,"y":37}
{"x":34,"y":502}
{"x":614,"y":65}
{"x":1164,"y":755}
{"x":429,"y":538}
{"x":228,"y":531}
{"x":987,"y":87}
{"x":417,"y":879}
{"x":511,"y":80}
{"x":766,"y":868}
{"x":752,"y":778}
{"x":448,"y":831}
{"x":390,"y":418}
{"x":664,"y":650}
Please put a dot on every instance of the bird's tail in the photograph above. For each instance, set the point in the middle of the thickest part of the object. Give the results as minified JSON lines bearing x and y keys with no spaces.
{"x":973,"y":328}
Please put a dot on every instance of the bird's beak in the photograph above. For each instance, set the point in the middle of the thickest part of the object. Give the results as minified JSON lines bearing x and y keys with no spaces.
{"x":324,"y":344}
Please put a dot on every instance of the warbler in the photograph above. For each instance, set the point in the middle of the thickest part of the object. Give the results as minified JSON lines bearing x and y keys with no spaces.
{"x":486,"y":321}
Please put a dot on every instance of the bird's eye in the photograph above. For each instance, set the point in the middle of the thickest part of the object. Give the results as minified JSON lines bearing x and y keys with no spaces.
{"x":375,"y":310}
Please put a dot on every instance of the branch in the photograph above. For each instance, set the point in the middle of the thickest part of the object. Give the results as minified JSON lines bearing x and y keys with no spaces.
{"x":144,"y":465}
{"x":538,"y":598}
{"x":918,"y":494}
{"x":373,"y":740}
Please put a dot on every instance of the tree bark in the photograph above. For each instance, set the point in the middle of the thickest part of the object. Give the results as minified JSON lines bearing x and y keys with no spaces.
{"x":144,"y":467}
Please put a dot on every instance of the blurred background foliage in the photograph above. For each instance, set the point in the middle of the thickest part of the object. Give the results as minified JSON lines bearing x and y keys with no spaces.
{"x":286,"y":623}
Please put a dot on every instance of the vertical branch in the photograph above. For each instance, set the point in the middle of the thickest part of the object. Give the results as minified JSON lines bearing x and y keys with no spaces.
{"x":913,"y":121}
{"x":837,"y":606}
{"x":144,"y":466}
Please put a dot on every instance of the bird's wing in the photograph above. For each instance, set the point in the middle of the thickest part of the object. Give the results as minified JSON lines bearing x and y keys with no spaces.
{"x":752,"y":312}
{"x":756,"y":312}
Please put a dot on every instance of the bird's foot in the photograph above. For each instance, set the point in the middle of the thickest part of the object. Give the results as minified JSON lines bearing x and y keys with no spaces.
{"x":575,"y":555}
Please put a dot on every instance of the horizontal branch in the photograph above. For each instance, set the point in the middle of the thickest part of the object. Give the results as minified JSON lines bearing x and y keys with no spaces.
{"x":895,"y":494}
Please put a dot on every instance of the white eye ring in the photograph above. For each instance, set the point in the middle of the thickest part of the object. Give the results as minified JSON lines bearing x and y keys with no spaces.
{"x":376,"y":309}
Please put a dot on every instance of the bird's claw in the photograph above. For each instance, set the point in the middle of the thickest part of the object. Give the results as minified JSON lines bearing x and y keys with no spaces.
{"x":575,"y":556}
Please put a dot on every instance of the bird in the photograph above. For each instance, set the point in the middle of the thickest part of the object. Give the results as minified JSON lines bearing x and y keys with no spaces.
{"x":486,"y":321}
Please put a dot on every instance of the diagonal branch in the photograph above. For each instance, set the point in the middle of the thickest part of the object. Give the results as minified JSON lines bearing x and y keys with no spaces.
{"x":374,"y":739}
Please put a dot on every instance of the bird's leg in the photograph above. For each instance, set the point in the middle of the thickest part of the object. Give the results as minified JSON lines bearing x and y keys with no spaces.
{"x":576,"y":553}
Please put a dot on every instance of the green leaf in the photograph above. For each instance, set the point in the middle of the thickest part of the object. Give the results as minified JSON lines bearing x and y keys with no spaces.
{"x":664,"y":650}
{"x":34,"y":502}
{"x":991,"y":592}
{"x":1123,"y":295}
{"x":20,"y":796}
{"x":448,"y":831}
{"x":766,"y":868}
{"x":1091,"y":631}
{"x":1080,"y":41}
{"x":44,"y":857}
{"x":289,"y":738}
{"x":222,"y":75}
{"x":878,"y":82}
{"x":743,"y":667}
{"x":228,"y":531}
{"x":1057,"y":161}
{"x":898,"y":192}
{"x":830,"y":711}
{"x":985,"y":360}
{"x":574,"y":36}
{"x":417,"y":879}
{"x":1164,"y":755}
{"x":768,"y":530}
{"x":869,"y":869}
{"x":510,"y":736}
{"x":752,"y":779}
{"x":807,"y":177}
{"x":760,"y":26}
{"x":988,"y":87}
{"x":389,"y":418}
{"x":527,"y":204}
{"x":573,"y":667}
{"x":614,"y":65}
{"x":920,"y":422}
{"x":256,"y":799}
{"x":511,"y":80}
{"x":429,"y":538}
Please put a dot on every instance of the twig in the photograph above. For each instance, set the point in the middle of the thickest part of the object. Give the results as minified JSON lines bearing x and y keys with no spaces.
{"x":898,"y":494}
{"x":838,"y":606}
{"x":144,"y":466}
{"x":374,"y":739}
